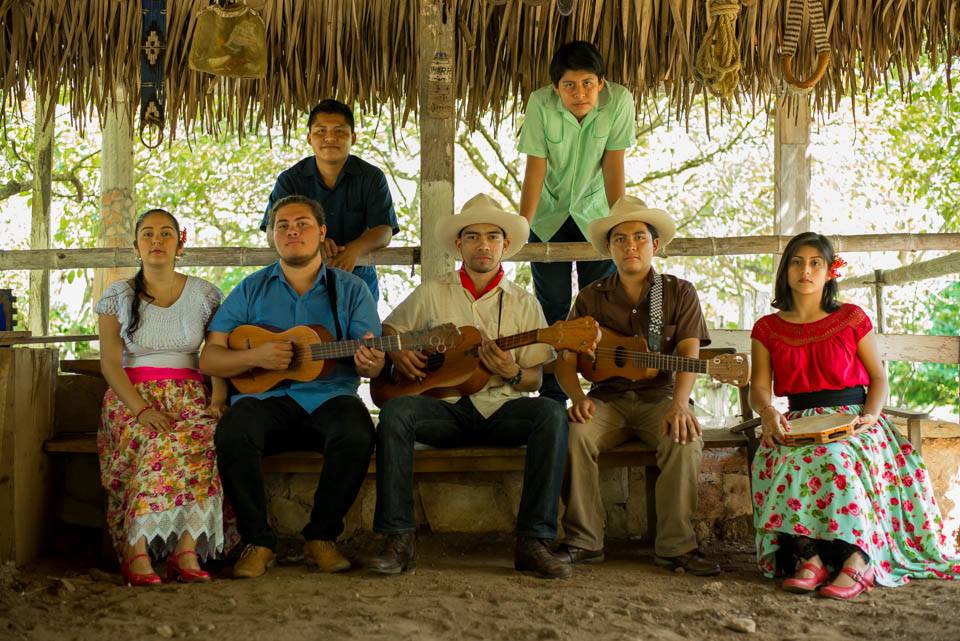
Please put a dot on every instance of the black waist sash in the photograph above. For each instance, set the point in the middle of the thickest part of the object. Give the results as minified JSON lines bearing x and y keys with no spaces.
{"x":827,"y":398}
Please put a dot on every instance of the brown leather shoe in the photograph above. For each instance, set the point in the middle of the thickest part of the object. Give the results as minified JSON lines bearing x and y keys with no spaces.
{"x":690,"y":563}
{"x":572,"y":554}
{"x":253,"y":562}
{"x":398,"y":554}
{"x":532,"y":555}
{"x":325,"y":555}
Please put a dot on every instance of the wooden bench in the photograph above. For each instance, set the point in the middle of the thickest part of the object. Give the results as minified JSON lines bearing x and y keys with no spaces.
{"x":445,"y":461}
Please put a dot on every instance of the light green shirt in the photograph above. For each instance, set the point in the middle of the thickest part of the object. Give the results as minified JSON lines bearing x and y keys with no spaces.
{"x":574,"y":152}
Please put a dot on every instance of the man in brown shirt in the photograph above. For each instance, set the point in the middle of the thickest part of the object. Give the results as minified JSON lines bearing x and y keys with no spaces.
{"x":656,"y":410}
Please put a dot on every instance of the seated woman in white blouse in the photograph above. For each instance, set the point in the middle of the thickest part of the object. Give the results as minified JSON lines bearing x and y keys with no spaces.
{"x":155,"y":441}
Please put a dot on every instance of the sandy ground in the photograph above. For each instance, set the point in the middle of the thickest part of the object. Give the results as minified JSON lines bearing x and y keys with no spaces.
{"x":464,"y":588}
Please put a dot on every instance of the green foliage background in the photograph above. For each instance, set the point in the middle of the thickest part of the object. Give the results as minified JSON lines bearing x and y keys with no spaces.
{"x":716,"y":185}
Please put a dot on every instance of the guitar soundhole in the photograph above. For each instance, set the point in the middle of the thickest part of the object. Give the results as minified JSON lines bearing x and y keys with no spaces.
{"x":620,"y":357}
{"x":435,"y":361}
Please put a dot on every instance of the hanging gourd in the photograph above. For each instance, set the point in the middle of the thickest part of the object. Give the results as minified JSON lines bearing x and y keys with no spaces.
{"x":229,"y":41}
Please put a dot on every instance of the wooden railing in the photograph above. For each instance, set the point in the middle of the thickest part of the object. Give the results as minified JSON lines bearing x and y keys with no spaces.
{"x":540,"y":252}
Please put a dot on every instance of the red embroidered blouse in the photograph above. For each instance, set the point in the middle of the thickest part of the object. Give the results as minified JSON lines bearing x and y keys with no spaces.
{"x":810,"y":357}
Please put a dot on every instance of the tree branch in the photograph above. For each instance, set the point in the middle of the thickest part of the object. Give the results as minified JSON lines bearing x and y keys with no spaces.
{"x":693,"y":163}
{"x":477,"y":160}
{"x":518,"y":184}
{"x":12,"y":188}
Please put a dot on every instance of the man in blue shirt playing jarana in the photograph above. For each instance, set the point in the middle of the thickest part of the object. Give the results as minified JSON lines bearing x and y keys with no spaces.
{"x":324,"y":415}
{"x":354,"y":194}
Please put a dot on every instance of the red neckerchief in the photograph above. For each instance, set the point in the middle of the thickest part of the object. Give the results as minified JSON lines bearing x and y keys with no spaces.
{"x":468,"y":285}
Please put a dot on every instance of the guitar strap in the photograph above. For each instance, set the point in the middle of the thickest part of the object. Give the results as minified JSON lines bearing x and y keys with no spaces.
{"x":655,"y":331}
{"x":332,"y":293}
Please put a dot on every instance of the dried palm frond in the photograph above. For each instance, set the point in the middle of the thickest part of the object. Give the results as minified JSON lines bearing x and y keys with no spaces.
{"x":365,"y":52}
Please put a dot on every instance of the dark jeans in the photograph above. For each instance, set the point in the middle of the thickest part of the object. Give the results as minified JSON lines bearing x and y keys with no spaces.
{"x":341,"y":428}
{"x":538,"y":423}
{"x":551,"y":283}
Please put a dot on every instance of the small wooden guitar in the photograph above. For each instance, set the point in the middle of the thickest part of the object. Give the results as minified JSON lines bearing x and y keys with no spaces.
{"x":315,"y":353}
{"x":459,"y":372}
{"x":629,"y":357}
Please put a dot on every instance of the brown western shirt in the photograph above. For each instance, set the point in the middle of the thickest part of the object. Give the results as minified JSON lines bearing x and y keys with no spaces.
{"x":607,"y":302}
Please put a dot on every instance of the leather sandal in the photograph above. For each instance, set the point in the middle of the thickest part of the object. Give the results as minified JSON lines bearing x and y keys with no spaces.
{"x":186,"y":575}
{"x":864,"y":581}
{"x":801,"y":585}
{"x":135,"y":579}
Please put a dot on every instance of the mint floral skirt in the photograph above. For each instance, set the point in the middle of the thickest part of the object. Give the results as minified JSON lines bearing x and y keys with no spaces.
{"x":870,"y":490}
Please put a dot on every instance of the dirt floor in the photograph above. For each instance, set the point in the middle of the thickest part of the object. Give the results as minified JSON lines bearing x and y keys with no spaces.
{"x":465,"y":588}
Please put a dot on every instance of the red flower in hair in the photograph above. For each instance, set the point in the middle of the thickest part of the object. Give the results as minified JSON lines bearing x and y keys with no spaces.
{"x":837,"y":264}
{"x":183,"y":238}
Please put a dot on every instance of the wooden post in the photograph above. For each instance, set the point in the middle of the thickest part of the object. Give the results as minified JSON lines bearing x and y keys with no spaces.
{"x":438,"y":127}
{"x":117,"y":205}
{"x":792,"y":167}
{"x":878,"y":292}
{"x":39,"y":320}
{"x":27,"y":386}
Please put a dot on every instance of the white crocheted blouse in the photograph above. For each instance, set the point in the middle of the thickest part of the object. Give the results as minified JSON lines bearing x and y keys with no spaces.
{"x":167,"y":336}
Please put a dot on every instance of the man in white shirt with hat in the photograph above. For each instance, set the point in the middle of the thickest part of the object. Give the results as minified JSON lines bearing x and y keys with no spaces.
{"x":665,"y":310}
{"x":501,"y":413}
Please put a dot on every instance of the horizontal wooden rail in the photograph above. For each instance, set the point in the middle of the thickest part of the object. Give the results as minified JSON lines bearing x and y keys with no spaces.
{"x":893,"y":347}
{"x":540,"y":252}
{"x":933,"y":268}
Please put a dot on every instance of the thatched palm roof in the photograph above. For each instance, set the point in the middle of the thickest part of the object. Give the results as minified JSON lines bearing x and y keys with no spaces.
{"x":365,"y":52}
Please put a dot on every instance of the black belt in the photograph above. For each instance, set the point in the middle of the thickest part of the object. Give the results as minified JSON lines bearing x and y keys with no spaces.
{"x":827,"y":398}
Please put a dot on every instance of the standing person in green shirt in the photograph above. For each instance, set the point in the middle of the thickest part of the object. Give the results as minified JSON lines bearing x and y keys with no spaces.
{"x":575,"y":134}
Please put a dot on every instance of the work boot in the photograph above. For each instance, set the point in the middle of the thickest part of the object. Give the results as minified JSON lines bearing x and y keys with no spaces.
{"x":532,"y":555}
{"x":253,"y":562}
{"x":398,"y":554}
{"x":325,"y":555}
{"x":694,"y":563}
{"x":572,"y":554}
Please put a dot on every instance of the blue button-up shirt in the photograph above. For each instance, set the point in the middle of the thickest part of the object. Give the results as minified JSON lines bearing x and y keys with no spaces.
{"x":360,"y":200}
{"x":266,"y":298}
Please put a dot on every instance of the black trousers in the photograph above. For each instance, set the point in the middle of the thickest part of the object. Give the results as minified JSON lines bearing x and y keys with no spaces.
{"x":341,"y":428}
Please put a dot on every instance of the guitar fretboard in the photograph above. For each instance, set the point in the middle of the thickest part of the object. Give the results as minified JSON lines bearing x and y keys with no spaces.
{"x":656,"y":360}
{"x":518,"y":340}
{"x":343,"y":349}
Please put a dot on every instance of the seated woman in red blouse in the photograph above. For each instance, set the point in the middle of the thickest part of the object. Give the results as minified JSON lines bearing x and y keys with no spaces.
{"x":863,"y":507}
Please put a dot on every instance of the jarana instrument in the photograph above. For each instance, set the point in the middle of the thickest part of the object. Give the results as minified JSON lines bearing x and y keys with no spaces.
{"x":459,"y":372}
{"x":629,"y":357}
{"x":315,"y":353}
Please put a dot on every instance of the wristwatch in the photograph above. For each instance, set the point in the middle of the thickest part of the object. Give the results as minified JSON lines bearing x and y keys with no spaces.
{"x":515,"y":379}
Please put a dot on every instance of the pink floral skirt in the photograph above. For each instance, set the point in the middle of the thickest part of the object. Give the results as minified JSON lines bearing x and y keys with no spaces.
{"x":162,"y":484}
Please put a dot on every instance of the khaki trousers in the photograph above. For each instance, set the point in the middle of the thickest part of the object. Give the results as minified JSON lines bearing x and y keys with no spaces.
{"x":613,"y":423}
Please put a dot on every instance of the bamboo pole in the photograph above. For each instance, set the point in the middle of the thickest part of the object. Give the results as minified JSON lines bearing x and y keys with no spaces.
{"x":934,"y":268}
{"x":39,"y":301}
{"x":543,"y":252}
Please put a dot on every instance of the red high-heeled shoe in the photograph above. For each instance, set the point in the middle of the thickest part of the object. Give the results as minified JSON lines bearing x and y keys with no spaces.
{"x":185,"y":574}
{"x":138,"y":580}
{"x":801,"y":585}
{"x":863,"y":582}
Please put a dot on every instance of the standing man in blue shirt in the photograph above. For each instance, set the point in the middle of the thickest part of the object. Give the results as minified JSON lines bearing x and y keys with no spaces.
{"x":325,"y":415}
{"x":353,"y":193}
